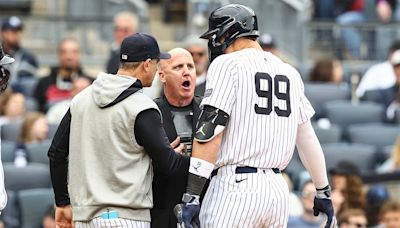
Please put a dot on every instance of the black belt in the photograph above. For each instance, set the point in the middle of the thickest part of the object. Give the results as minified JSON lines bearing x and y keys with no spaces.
{"x":244,"y":169}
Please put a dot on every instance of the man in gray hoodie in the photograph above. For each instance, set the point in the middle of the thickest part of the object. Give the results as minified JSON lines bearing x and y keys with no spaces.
{"x":101,"y":156}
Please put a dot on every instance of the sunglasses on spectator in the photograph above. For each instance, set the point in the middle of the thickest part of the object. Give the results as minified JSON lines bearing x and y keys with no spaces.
{"x":307,"y":195}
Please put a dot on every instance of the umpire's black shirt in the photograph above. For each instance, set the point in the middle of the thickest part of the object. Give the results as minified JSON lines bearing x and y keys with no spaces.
{"x":167,"y":192}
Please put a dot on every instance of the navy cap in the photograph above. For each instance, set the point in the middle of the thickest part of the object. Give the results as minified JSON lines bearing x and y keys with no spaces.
{"x":4,"y":59}
{"x":139,"y":47}
{"x":11,"y":23}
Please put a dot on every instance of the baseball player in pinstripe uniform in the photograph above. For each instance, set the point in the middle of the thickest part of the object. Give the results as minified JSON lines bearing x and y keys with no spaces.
{"x":254,"y":112}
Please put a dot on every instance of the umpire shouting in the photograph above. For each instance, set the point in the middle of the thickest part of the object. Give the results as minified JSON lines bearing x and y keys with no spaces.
{"x":107,"y":142}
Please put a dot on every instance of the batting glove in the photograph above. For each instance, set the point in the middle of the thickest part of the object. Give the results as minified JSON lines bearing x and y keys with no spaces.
{"x":323,"y":203}
{"x":187,"y":212}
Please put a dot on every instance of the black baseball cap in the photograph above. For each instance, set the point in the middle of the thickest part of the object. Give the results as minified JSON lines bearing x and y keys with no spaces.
{"x":4,"y":59}
{"x":11,"y":23}
{"x":139,"y":47}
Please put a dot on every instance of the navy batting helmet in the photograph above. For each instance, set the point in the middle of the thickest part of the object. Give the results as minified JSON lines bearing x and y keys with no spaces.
{"x":229,"y":22}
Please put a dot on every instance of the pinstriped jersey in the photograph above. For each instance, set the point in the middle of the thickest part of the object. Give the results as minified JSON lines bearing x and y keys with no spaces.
{"x":265,"y":100}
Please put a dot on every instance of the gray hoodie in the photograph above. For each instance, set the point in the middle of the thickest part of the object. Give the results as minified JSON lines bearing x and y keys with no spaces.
{"x":108,"y":170}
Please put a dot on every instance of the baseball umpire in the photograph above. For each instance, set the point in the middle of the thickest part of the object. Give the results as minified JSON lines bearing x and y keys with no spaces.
{"x":254,"y":112}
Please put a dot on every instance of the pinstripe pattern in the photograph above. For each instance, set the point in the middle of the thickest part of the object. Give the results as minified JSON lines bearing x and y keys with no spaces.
{"x":114,"y":223}
{"x":261,"y":200}
{"x":261,"y":140}
{"x":264,"y":141}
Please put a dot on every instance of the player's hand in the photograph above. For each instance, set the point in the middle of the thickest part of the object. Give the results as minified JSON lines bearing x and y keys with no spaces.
{"x":63,"y":217}
{"x":323,"y":203}
{"x":187,"y":213}
{"x":177,"y":146}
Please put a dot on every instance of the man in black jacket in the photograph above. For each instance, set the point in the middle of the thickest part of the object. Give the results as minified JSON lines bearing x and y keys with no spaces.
{"x":57,"y":86}
{"x":180,"y":111}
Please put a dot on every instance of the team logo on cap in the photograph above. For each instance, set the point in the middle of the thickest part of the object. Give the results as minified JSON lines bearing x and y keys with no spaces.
{"x":125,"y":57}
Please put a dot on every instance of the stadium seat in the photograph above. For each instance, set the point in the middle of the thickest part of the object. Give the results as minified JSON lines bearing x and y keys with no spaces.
{"x":52,"y":131}
{"x":11,"y":131}
{"x":344,"y":113}
{"x":37,"y":152}
{"x":30,"y":104}
{"x":29,"y":177}
{"x":11,"y":214}
{"x":33,"y":205}
{"x":379,"y":135}
{"x":363,"y":156}
{"x":328,"y":135}
{"x":7,"y":151}
{"x":320,"y":93}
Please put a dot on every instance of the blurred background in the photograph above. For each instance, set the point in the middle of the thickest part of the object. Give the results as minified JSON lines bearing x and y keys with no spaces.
{"x":347,"y":52}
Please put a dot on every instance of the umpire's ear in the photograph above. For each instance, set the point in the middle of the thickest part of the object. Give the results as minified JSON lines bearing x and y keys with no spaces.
{"x":161,"y":74}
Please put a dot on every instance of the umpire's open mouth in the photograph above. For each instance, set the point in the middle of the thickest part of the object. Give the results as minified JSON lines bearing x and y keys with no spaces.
{"x":186,"y":84}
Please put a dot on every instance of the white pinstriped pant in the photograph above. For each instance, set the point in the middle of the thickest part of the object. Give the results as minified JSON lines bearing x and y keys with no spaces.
{"x":245,"y":200}
{"x":108,"y":223}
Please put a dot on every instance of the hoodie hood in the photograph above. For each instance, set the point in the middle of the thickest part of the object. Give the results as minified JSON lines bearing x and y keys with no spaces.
{"x":109,"y":89}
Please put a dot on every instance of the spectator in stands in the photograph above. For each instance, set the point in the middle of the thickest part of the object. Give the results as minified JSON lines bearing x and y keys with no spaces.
{"x":57,"y":86}
{"x":389,"y":97}
{"x":345,"y":178}
{"x":268,"y":43}
{"x":48,"y":220}
{"x":393,"y":163}
{"x":55,"y":114}
{"x":389,"y":215}
{"x":387,"y":11}
{"x":350,"y":12}
{"x":323,"y":9}
{"x":34,"y":129}
{"x":125,"y":23}
{"x":12,"y":107}
{"x":198,"y":48}
{"x":379,"y":76}
{"x":377,"y":196}
{"x":307,"y":219}
{"x":328,"y":71}
{"x":351,"y":218}
{"x":26,"y":64}
{"x":337,"y":200}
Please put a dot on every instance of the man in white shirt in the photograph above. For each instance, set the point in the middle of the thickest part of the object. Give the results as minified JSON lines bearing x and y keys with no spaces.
{"x":379,"y":76}
{"x":4,"y":77}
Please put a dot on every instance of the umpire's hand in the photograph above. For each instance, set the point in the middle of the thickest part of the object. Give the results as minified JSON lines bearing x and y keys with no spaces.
{"x":323,"y":203}
{"x":187,"y":212}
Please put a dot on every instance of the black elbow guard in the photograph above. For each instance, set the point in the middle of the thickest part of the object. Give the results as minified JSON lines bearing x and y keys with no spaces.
{"x":212,"y":121}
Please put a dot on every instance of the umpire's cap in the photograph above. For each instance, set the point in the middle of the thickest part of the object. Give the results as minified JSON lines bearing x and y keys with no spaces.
{"x":4,"y":59}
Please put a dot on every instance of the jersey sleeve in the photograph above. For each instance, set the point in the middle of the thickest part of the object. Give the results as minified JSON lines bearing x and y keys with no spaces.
{"x":306,"y":110}
{"x":221,"y":84}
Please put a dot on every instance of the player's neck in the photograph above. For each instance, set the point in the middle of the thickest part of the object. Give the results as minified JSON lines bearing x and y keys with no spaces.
{"x":243,"y":43}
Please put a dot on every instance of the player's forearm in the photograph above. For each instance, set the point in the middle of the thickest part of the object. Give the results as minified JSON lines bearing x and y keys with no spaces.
{"x":207,"y":151}
{"x":311,"y":154}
